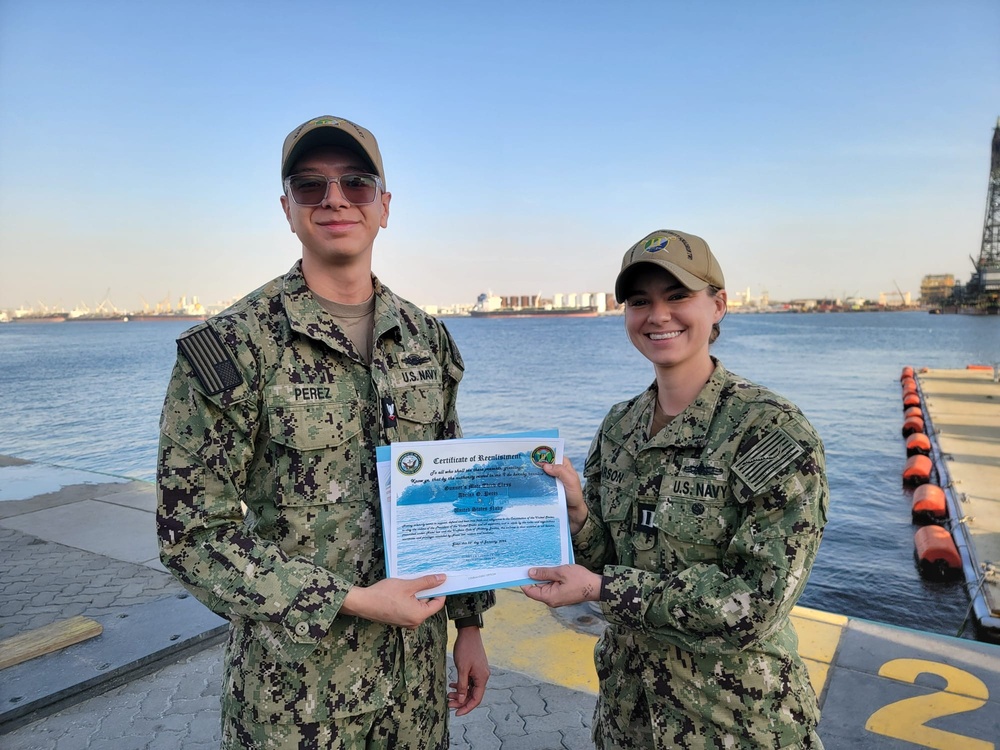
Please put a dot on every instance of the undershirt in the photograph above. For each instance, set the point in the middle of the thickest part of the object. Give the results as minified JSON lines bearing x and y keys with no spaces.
{"x":660,"y":418}
{"x":357,"y":321}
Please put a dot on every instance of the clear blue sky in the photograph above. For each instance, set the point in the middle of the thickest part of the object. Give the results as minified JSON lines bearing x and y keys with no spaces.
{"x":822,"y":148}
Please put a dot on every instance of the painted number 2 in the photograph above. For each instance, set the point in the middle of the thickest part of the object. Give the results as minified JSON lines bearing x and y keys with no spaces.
{"x":905,"y":719}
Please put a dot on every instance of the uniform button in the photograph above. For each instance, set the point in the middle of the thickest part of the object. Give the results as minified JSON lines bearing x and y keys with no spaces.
{"x":697,"y":509}
{"x":302,"y":628}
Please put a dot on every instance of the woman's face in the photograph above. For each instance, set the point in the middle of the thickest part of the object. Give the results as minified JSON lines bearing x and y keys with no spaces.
{"x":668,"y":323}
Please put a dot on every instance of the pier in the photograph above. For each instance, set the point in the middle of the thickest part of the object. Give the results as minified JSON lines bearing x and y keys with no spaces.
{"x":962,"y":415}
{"x":80,"y":546}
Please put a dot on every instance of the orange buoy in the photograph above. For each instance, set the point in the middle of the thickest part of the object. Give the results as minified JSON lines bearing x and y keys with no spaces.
{"x":911,"y":399}
{"x":908,"y":383}
{"x":936,"y":553}
{"x":913,"y":411}
{"x":928,"y":504}
{"x":909,"y":386}
{"x":917,"y":470}
{"x":911,"y":425}
{"x":907,"y":372}
{"x":918,"y":443}
{"x":979,"y":367}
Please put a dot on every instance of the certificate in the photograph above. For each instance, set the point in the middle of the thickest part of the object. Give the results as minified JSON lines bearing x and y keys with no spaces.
{"x":479,"y":510}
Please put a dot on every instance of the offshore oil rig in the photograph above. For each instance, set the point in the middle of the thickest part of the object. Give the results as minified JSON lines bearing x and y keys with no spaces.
{"x":981,"y":295}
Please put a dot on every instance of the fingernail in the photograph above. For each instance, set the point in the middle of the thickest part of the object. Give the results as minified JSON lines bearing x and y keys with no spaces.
{"x":532,"y":572}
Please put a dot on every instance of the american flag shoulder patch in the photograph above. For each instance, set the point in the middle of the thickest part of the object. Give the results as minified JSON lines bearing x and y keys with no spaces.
{"x":764,"y":460}
{"x":211,"y":360}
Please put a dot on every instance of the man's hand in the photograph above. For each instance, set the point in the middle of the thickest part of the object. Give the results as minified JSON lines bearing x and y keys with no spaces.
{"x":393,"y":601}
{"x":565,"y":584}
{"x":473,"y":671}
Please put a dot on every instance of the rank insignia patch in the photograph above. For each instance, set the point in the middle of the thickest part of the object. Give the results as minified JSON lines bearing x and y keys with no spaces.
{"x":211,"y":361}
{"x":645,"y":521}
{"x":388,"y":412}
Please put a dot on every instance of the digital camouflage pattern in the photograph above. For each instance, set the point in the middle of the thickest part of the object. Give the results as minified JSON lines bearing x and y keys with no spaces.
{"x":411,"y":722}
{"x":291,"y":437}
{"x":705,"y":535}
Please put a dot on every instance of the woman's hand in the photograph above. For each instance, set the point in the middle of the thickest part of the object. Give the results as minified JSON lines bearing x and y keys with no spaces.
{"x":576,"y":508}
{"x":566,"y":584}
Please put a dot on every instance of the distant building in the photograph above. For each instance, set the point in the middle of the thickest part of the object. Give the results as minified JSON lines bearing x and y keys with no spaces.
{"x":894,"y":299}
{"x":936,"y":289}
{"x":804,"y":305}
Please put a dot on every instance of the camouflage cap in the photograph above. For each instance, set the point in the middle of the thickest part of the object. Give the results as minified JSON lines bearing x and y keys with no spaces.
{"x":330,"y":131}
{"x":685,"y":256}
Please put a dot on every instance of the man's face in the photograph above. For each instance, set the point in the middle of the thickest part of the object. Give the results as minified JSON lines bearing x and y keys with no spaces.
{"x":336,"y":231}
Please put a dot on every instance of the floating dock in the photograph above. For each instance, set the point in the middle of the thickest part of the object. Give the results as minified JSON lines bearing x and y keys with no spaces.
{"x":962,"y":419}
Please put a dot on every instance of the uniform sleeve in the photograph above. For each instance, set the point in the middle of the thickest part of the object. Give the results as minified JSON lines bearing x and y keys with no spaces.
{"x":453,"y":369}
{"x":779,"y":474}
{"x":592,"y":545}
{"x":205,"y":451}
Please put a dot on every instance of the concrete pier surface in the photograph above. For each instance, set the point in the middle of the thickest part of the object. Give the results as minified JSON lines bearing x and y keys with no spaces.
{"x":77,"y":544}
{"x":962,"y":416}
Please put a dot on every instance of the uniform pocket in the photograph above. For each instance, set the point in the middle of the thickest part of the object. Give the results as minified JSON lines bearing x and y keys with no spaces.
{"x":315,"y":452}
{"x":695,"y":530}
{"x":420,"y":410}
{"x":630,"y":521}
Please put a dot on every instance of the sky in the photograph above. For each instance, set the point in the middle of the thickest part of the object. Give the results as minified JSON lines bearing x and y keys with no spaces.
{"x":823,"y":149}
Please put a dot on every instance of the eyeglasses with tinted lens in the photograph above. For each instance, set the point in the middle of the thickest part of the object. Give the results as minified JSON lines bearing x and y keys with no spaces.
{"x":311,"y":189}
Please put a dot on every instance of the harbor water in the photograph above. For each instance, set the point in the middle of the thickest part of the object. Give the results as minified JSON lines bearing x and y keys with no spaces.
{"x":88,"y":395}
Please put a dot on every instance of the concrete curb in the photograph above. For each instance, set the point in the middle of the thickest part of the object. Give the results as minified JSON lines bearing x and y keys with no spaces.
{"x":135,"y":642}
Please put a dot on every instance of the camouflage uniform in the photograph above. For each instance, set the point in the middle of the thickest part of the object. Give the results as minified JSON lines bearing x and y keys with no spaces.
{"x":705,"y":535}
{"x":270,"y":406}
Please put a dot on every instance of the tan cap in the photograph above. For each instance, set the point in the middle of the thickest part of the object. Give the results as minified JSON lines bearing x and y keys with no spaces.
{"x":685,"y":256}
{"x":330,"y":131}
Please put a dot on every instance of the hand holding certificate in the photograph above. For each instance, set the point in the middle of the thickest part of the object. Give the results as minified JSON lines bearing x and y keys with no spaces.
{"x":480,"y":510}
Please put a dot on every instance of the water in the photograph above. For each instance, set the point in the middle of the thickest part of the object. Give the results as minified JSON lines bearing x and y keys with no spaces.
{"x":88,"y":396}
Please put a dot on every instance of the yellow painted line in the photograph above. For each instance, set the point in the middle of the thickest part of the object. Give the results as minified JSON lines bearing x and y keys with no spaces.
{"x":805,"y":613}
{"x":818,"y":636}
{"x":819,"y":673}
{"x":525,"y":636}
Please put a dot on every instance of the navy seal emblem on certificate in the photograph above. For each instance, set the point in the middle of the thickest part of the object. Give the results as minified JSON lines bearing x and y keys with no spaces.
{"x":409,"y":463}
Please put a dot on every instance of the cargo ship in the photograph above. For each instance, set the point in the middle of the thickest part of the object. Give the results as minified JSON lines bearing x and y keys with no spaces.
{"x":536,"y":312}
{"x":488,"y":306}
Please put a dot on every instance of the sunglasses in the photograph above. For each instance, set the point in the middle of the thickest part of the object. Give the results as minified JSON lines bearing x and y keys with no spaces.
{"x":312,"y":189}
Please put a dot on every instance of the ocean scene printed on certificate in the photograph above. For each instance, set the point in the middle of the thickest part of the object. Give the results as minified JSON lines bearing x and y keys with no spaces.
{"x":477,"y":505}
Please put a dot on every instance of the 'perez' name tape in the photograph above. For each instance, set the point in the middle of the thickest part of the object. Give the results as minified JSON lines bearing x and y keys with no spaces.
{"x":211,"y":360}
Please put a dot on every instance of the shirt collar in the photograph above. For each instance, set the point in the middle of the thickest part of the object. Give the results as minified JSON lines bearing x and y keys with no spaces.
{"x":308,"y":317}
{"x":689,"y":428}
